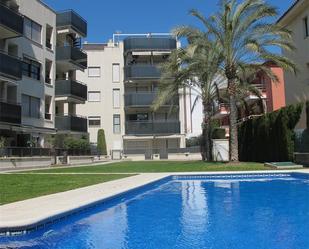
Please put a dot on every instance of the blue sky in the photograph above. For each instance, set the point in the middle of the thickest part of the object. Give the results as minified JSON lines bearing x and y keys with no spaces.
{"x":105,"y":17}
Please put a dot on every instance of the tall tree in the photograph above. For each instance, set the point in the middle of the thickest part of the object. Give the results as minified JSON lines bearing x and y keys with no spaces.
{"x":245,"y":34}
{"x":193,"y":67}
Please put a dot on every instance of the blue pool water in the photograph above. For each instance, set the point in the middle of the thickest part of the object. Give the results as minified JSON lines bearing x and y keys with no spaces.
{"x":186,"y":213}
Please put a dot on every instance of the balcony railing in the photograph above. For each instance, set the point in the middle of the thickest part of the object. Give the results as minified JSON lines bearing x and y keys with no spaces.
{"x":145,"y":99}
{"x":12,"y":21}
{"x":71,"y":88}
{"x":149,"y":43}
{"x":69,"y":18}
{"x":10,"y":112}
{"x":71,"y":123}
{"x":142,"y":72}
{"x":10,"y":66}
{"x":72,"y":55}
{"x":150,"y":128}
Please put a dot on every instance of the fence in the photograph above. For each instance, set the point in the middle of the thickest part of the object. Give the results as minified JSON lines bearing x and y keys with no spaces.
{"x":40,"y":152}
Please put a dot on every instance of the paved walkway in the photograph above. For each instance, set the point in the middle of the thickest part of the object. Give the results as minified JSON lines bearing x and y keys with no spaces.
{"x":28,"y":213}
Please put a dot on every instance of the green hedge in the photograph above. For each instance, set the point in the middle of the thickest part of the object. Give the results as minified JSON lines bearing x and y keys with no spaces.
{"x":302,"y":137}
{"x":269,"y":138}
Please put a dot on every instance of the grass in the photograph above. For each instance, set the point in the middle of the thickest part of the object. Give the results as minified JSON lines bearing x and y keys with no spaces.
{"x":162,"y":166}
{"x":17,"y":187}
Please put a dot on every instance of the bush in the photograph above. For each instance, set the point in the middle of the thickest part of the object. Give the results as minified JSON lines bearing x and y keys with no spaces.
{"x":76,"y":143}
{"x":218,"y":133}
{"x":101,"y":146}
{"x":193,"y":141}
{"x":269,"y":138}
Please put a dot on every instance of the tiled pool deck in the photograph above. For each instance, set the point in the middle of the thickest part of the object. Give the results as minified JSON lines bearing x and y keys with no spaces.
{"x":32,"y":213}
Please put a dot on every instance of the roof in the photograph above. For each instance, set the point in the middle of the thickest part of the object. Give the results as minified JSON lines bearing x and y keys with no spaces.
{"x":294,"y":7}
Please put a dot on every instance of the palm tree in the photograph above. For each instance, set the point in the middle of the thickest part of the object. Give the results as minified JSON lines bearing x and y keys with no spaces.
{"x":193,"y":67}
{"x":244,"y":34}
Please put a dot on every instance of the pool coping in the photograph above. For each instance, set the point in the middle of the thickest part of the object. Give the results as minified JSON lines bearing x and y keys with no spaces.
{"x":27,"y":215}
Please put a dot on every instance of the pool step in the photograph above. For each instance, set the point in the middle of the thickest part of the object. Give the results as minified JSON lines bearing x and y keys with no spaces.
{"x":284,"y":165}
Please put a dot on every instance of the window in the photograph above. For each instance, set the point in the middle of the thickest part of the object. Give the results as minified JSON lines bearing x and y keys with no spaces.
{"x":116,"y":123}
{"x":94,"y":120}
{"x":116,"y":73}
{"x":116,"y":98}
{"x":32,"y":30}
{"x":30,"y":106}
{"x":31,"y":69}
{"x":94,"y":96}
{"x":138,"y":117}
{"x":94,"y":71}
{"x":306,"y":27}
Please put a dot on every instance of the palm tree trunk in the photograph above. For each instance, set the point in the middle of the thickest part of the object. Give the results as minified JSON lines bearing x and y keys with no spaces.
{"x":233,"y":129}
{"x":206,"y":140}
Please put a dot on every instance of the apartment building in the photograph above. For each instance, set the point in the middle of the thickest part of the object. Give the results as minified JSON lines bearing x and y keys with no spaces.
{"x":296,"y":19}
{"x":122,"y":79}
{"x":70,"y":58}
{"x":272,"y":98}
{"x":27,"y":44}
{"x":35,"y":50}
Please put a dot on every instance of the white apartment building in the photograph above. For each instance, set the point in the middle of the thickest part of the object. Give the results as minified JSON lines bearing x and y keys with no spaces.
{"x":296,"y":19}
{"x":38,"y":46}
{"x":27,"y":44}
{"x":122,"y":79}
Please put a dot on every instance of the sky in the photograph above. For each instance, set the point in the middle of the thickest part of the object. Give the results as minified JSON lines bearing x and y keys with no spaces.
{"x":105,"y":17}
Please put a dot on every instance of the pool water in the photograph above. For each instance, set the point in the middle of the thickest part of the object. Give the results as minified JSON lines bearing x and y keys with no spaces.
{"x":186,"y":213}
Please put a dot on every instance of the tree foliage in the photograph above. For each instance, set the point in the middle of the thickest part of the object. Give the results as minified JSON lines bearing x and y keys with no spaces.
{"x":269,"y":138}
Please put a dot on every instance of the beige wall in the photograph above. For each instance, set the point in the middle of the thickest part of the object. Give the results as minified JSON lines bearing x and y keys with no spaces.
{"x":297,"y":86}
{"x":104,"y":59}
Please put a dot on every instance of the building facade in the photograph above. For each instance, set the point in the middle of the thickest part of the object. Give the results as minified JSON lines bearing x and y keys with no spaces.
{"x":33,"y":45}
{"x":296,"y":19}
{"x":122,"y":80}
{"x":272,"y":98}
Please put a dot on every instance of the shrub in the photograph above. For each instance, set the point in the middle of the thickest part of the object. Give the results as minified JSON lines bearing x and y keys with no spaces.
{"x":218,"y":133}
{"x":101,"y":146}
{"x":269,"y":137}
{"x":76,"y":143}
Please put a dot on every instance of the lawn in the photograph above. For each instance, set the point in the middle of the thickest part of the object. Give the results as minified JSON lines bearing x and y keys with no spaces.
{"x":160,"y":166}
{"x":16,"y":187}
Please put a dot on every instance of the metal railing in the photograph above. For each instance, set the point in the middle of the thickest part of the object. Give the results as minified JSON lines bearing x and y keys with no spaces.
{"x":10,"y":112}
{"x":145,"y":99}
{"x":71,"y":88}
{"x":71,"y":123}
{"x":142,"y":71}
{"x":150,"y":128}
{"x":72,"y":19}
{"x":10,"y":66}
{"x":12,"y":20}
{"x":150,"y":43}
{"x":72,"y":54}
{"x":40,"y":152}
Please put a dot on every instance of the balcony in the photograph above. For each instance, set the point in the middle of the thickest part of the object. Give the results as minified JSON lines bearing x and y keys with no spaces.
{"x":149,"y":44}
{"x":145,"y":100}
{"x":71,"y":123}
{"x":72,"y":20}
{"x":71,"y":89}
{"x":135,"y":72}
{"x":151,"y":128}
{"x":10,"y":113}
{"x":11,"y":23}
{"x":71,"y":58}
{"x":262,"y":90}
{"x":10,"y":66}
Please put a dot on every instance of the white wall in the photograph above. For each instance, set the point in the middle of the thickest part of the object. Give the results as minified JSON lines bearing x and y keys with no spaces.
{"x":104,"y":58}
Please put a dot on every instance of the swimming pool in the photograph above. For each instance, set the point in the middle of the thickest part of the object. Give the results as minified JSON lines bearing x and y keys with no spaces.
{"x":184,"y":212}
